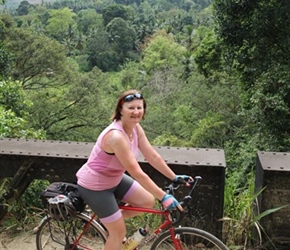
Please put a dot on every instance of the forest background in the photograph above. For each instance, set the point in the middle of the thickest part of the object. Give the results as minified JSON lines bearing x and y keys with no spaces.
{"x":215,"y":74}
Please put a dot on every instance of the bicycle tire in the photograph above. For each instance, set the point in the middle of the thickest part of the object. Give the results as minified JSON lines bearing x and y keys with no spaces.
{"x":191,"y":238}
{"x":60,"y":235}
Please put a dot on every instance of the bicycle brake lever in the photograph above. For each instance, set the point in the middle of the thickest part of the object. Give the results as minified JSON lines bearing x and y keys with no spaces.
{"x":171,"y":187}
{"x":180,"y":208}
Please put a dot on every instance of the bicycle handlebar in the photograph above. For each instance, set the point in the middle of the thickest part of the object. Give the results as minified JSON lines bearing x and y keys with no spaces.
{"x":192,"y":184}
{"x":187,"y":198}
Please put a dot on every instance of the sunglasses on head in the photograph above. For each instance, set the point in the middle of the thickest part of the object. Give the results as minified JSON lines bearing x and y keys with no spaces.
{"x":129,"y":98}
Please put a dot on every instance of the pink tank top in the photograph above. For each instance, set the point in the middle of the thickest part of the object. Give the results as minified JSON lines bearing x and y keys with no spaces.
{"x":102,"y":170}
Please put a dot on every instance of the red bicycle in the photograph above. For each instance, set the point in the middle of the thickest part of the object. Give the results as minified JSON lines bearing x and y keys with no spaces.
{"x":85,"y":232}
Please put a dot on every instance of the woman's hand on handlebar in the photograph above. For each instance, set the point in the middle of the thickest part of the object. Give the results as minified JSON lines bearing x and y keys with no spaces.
{"x":182,"y":179}
{"x":170,"y":203}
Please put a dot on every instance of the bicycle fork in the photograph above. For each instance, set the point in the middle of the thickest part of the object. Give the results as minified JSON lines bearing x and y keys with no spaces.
{"x":176,"y":239}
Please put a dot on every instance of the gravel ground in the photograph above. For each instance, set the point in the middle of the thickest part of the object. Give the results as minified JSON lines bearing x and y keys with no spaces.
{"x":21,"y":241}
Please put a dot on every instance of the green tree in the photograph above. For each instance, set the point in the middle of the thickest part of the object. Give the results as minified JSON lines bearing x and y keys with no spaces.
{"x":172,"y":20}
{"x":38,"y":60}
{"x":5,"y":59}
{"x":23,"y":8}
{"x":127,"y":2}
{"x":6,"y":23}
{"x":122,"y":37}
{"x":162,"y":52}
{"x":256,"y":37}
{"x":116,"y":10}
{"x":61,"y":23}
{"x":14,"y":106}
{"x":208,"y":54}
{"x":100,"y":52}
{"x":36,"y":19}
{"x":145,"y":21}
{"x":88,"y":20}
{"x":196,"y":115}
{"x":76,"y":111}
{"x":12,"y":97}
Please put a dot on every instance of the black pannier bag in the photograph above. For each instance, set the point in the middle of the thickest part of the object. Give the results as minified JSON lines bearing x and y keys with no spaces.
{"x":68,"y":189}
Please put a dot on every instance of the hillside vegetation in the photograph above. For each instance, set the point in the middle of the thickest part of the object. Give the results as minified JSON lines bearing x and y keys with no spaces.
{"x":215,"y":74}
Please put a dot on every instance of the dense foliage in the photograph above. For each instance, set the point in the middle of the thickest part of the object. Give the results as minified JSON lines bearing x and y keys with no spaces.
{"x":256,"y":38}
{"x":214,"y":73}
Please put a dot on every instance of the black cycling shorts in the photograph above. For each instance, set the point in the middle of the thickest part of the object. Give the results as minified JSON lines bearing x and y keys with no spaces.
{"x":104,"y":203}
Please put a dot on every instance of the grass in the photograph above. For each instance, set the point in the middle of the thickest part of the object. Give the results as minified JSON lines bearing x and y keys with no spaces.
{"x":241,"y":227}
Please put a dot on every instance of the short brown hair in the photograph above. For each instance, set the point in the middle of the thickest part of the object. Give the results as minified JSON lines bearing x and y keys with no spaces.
{"x":117,"y":112}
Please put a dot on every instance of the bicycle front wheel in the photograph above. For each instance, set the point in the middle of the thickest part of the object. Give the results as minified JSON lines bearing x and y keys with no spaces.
{"x":189,"y":239}
{"x":63,"y":235}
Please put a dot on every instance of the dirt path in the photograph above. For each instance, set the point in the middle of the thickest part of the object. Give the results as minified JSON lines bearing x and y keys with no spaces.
{"x":21,"y":241}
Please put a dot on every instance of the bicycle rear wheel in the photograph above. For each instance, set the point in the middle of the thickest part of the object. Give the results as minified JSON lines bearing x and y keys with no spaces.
{"x":62,"y":235}
{"x":191,"y":239}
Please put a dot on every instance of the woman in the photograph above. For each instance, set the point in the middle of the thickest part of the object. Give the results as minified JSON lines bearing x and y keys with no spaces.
{"x":102,"y":179}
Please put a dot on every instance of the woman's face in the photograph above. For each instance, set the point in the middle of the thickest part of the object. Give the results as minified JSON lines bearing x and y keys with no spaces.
{"x":133,"y":111}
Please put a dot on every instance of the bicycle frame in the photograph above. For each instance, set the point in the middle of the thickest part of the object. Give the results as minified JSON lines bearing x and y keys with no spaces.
{"x":168,"y":222}
{"x":76,"y":243}
{"x":164,"y":213}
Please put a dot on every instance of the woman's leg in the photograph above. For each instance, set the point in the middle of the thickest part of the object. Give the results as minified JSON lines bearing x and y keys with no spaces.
{"x":117,"y":229}
{"x":117,"y":232}
{"x":134,"y":195}
{"x":104,"y":204}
